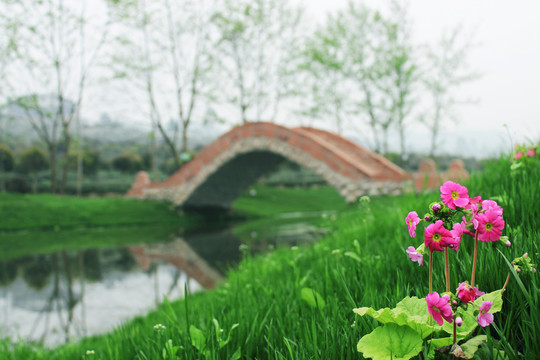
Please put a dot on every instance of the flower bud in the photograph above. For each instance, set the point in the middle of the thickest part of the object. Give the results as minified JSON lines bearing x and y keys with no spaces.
{"x":525,"y":255}
{"x":436,"y":207}
{"x":518,"y":270}
{"x":454,"y":302}
{"x":427,"y":218}
{"x":504,"y":241}
{"x":459,"y":321}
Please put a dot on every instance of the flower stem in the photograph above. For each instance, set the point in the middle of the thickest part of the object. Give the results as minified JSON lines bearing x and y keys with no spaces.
{"x":446,"y":269}
{"x":455,"y":330}
{"x":474,"y":258}
{"x":505,"y":283}
{"x":430,"y":271}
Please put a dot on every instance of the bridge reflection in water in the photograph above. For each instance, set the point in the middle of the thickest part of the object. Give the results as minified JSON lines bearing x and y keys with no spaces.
{"x":66,"y":295}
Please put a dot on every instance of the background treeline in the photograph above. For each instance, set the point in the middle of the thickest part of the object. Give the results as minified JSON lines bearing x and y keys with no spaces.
{"x":176,"y":64}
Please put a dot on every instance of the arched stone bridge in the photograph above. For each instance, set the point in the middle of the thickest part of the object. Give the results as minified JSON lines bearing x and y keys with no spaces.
{"x":223,"y":170}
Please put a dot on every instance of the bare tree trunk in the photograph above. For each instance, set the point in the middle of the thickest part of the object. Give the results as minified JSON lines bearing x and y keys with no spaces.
{"x":184,"y":137}
{"x":65,"y":167}
{"x":52,"y":158}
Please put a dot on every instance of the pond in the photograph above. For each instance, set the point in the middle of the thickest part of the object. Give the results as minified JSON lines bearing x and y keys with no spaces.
{"x":60,"y":296}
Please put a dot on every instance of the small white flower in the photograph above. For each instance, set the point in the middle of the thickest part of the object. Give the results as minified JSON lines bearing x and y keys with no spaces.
{"x":294,"y":247}
{"x":90,"y":352}
{"x":336,"y":251}
{"x":159,"y":327}
{"x":220,"y":330}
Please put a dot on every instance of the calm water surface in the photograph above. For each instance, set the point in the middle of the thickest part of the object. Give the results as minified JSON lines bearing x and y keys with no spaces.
{"x":66,"y":295}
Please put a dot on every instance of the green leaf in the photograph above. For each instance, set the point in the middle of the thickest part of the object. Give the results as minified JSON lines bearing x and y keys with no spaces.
{"x":390,"y":341}
{"x":471,"y":346}
{"x":237,"y":354}
{"x":353,"y":256}
{"x":438,"y":343}
{"x":469,"y":317}
{"x":410,"y":311}
{"x":313,"y":298}
{"x":197,"y":338}
{"x":495,"y":297}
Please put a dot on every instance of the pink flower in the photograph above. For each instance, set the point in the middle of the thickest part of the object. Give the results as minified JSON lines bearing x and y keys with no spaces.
{"x":412,"y":220}
{"x":459,"y":321}
{"x":531,"y":152}
{"x":519,"y":154}
{"x":457,"y":234}
{"x":436,"y":237}
{"x":454,"y":195}
{"x":474,"y":211}
{"x":436,"y":207}
{"x":485,"y":318}
{"x":439,"y":307}
{"x":415,"y":255}
{"x":490,"y":226}
{"x":467,"y":293}
{"x":474,"y":200}
{"x":492,"y":205}
{"x":464,"y":224}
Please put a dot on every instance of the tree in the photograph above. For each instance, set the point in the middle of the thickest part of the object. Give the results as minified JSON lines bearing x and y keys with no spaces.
{"x":127,"y":163}
{"x":336,"y":67}
{"x":55,"y":56}
{"x":446,"y":69}
{"x":398,"y":72}
{"x":256,"y":41}
{"x":90,"y":161}
{"x":7,"y":49}
{"x":6,"y":164}
{"x":168,"y":57}
{"x":33,"y":160}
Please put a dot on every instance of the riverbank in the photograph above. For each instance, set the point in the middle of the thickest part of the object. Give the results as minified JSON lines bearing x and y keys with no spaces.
{"x":362,"y":262}
{"x":77,"y":223}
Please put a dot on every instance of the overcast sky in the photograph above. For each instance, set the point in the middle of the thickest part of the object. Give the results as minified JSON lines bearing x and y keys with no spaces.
{"x":508,"y":56}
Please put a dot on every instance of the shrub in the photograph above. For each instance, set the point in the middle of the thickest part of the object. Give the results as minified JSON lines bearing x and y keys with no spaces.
{"x":7,"y":160}
{"x":127,"y":163}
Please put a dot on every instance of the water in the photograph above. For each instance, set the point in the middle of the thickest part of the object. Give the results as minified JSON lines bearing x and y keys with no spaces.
{"x":65,"y":295}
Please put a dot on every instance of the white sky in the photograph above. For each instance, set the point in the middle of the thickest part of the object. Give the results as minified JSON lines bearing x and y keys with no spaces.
{"x":508,"y":56}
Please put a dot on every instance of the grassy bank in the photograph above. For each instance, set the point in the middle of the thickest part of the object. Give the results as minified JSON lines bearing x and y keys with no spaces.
{"x":362,"y":262}
{"x":54,"y":212}
{"x":38,"y":224}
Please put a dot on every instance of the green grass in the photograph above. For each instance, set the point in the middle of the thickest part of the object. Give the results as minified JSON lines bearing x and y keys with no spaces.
{"x":53,"y":212}
{"x":362,"y":262}
{"x":274,"y":200}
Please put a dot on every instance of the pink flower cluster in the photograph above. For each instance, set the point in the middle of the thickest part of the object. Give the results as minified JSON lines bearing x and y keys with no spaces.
{"x":439,"y":308}
{"x":486,"y":217}
{"x":522,"y":150}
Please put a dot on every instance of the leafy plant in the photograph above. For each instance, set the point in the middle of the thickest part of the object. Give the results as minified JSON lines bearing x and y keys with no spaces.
{"x":431,"y":324}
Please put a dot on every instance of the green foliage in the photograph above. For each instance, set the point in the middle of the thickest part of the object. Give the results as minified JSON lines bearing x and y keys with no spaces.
{"x":33,"y":159}
{"x":7,"y":160}
{"x":391,"y":342}
{"x":313,"y":298}
{"x":18,"y":185}
{"x":90,"y":161}
{"x":128,"y":163}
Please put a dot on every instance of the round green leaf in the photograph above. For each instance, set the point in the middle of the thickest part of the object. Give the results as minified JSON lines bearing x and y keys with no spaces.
{"x":391,"y":341}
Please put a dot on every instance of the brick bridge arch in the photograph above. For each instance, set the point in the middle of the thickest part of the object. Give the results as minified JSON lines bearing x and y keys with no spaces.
{"x":223,"y":170}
